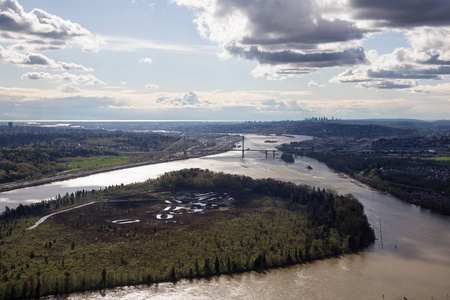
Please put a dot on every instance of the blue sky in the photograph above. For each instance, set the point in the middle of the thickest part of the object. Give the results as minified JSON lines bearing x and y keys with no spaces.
{"x":223,"y":59}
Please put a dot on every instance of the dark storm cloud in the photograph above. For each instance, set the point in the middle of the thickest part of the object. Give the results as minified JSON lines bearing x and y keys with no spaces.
{"x":410,"y":72}
{"x":404,"y":13}
{"x":316,"y":60}
{"x":435,"y":60}
{"x":388,"y":84}
{"x":296,"y":37}
{"x":320,"y":31}
{"x":295,"y":23}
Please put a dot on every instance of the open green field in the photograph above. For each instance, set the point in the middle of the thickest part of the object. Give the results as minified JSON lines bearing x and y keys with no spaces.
{"x":95,"y":162}
{"x":445,"y":159}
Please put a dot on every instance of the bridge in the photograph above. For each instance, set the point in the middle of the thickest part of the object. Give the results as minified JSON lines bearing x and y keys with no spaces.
{"x":243,"y":150}
{"x":181,"y":146}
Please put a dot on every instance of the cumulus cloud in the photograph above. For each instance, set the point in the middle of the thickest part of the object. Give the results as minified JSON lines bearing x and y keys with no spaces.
{"x":312,"y":83}
{"x":289,"y":38}
{"x":403,"y":13}
{"x":67,"y":78}
{"x":70,"y":89}
{"x":38,"y":60}
{"x":307,"y":60}
{"x":402,"y":68}
{"x":42,"y":29}
{"x":146,"y":60}
{"x":151,"y":86}
{"x":190,"y":99}
{"x":37,"y":76}
{"x":300,"y":35}
{"x":430,"y":44}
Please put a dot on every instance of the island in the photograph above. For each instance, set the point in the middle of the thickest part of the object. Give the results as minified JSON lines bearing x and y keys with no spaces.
{"x":186,"y":224}
{"x":287,"y":157}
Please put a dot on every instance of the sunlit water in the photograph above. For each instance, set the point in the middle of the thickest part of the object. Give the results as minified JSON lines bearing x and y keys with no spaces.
{"x":418,"y":268}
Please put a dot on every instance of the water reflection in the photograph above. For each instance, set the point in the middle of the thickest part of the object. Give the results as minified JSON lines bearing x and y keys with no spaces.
{"x":418,"y":269}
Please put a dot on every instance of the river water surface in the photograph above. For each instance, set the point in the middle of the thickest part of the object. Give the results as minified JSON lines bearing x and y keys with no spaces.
{"x":410,"y":258}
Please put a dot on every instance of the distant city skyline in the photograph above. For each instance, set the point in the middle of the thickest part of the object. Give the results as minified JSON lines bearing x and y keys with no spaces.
{"x":224,"y":59}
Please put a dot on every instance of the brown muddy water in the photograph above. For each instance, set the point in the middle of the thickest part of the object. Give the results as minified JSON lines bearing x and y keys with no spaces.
{"x":410,"y":258}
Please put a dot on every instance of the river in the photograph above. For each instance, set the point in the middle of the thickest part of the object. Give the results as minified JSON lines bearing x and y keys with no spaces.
{"x":410,"y":258}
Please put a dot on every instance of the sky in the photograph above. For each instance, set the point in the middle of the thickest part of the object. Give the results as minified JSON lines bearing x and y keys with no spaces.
{"x":224,"y":59}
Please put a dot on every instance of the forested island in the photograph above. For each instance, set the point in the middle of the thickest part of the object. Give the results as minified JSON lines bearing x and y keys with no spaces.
{"x":185,"y":224}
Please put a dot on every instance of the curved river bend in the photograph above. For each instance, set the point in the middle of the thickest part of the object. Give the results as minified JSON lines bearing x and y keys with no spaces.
{"x":412,"y":260}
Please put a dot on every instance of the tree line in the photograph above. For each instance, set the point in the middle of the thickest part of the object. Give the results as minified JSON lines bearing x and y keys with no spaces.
{"x":27,"y":156}
{"x":271,"y":224}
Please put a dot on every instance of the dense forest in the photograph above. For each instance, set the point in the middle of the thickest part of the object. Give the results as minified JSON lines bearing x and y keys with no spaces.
{"x":422,"y":181}
{"x":269,"y":224}
{"x":33,"y":155}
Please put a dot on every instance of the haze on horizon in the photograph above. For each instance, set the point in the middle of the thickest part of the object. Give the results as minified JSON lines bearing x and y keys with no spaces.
{"x":224,"y":59}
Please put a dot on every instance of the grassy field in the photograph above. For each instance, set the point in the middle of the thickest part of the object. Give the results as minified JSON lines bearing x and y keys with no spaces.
{"x":444,"y":159}
{"x":96,"y":162}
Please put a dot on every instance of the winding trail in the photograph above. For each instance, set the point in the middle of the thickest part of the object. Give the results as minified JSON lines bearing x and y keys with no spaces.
{"x":41,"y":220}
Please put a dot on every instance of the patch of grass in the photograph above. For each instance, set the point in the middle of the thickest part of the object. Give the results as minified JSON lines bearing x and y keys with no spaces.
{"x":445,"y":159}
{"x":96,"y":162}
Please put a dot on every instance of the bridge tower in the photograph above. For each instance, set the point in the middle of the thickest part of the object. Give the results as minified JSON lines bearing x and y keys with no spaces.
{"x":243,"y":148}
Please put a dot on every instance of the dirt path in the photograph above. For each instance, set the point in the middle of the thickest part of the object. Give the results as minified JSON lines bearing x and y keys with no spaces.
{"x":42,"y":220}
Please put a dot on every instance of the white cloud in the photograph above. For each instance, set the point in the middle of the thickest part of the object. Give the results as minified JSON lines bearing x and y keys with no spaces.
{"x":291,"y":38}
{"x":430,"y":44}
{"x":427,"y":59}
{"x":312,"y":83}
{"x":70,"y":89}
{"x":281,"y":71}
{"x":246,"y":104}
{"x":37,"y":76}
{"x":146,"y":60}
{"x":443,"y":88}
{"x":299,"y":36}
{"x":42,"y":30}
{"x":151,"y":86}
{"x":67,"y":78}
{"x":38,"y":61}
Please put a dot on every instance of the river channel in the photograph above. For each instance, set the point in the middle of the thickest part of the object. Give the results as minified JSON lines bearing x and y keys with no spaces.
{"x":410,"y":258}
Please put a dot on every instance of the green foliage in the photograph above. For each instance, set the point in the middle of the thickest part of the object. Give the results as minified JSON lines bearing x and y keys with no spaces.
{"x":443,"y":159}
{"x":407,"y":186}
{"x":271,"y":224}
{"x":27,"y":156}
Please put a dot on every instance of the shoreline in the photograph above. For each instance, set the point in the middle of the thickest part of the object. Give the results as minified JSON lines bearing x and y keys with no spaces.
{"x":6,"y":187}
{"x":167,"y":245}
{"x":370,"y":183}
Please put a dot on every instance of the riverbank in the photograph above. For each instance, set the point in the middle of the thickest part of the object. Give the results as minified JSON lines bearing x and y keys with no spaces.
{"x":30,"y":183}
{"x":241,"y":228}
{"x":410,"y":172}
{"x":20,"y":185}
{"x":375,"y":272}
{"x":401,"y":186}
